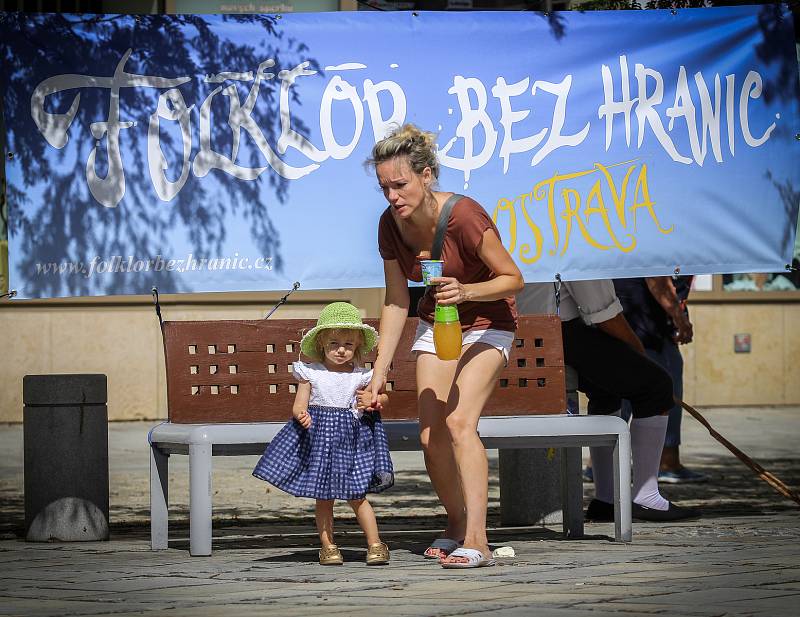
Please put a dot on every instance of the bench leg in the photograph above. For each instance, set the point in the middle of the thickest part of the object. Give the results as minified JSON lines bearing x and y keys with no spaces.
{"x":200,"y":499}
{"x":622,"y":488}
{"x":571,"y":468}
{"x":571,"y":492}
{"x":159,"y":499}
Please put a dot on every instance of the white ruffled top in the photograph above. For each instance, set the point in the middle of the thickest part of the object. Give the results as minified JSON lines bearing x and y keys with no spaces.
{"x":332,"y":389}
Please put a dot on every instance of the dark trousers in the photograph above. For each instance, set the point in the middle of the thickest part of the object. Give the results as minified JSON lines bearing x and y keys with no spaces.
{"x":610,"y":370}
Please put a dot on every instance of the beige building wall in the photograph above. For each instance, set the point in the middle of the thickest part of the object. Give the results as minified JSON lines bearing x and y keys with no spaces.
{"x":121,"y":338}
{"x":715,"y":374}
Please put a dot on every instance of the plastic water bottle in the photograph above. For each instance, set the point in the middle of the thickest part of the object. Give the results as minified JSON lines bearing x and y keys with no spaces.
{"x":447,"y":332}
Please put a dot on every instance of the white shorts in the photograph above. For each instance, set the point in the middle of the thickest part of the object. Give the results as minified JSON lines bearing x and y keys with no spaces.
{"x":499,"y":339}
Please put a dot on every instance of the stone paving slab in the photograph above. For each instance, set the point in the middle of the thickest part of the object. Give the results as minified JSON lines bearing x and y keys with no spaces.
{"x":547,"y":577}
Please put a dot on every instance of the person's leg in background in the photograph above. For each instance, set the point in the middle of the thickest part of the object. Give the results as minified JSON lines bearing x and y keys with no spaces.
{"x":623,"y":412}
{"x":602,"y":458}
{"x":647,"y":436}
{"x":671,"y":470}
{"x":610,"y":370}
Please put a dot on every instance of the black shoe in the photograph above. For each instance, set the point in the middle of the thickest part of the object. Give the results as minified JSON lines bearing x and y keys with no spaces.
{"x":600,"y":511}
{"x":673,"y":513}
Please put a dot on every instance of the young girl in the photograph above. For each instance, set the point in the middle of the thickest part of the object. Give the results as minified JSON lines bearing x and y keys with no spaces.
{"x":335,"y":447}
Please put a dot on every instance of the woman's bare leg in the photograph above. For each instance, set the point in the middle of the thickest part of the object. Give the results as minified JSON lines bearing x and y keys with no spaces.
{"x":477,"y":370}
{"x":434,"y":379}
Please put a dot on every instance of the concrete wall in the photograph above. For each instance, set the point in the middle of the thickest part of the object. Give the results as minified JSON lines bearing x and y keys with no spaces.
{"x":122,"y":340}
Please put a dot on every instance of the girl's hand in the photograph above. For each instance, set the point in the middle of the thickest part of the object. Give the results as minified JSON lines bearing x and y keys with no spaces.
{"x":364,"y":401}
{"x":303,"y":417}
{"x":449,"y":290}
{"x":300,"y":406}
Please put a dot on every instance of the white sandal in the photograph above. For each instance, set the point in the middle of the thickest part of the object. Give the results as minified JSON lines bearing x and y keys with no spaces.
{"x":475,"y":559}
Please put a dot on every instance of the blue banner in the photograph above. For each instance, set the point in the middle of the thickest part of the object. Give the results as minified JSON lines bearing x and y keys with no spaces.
{"x":215,"y":153}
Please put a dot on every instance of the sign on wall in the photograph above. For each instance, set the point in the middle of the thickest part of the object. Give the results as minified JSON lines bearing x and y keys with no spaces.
{"x":213,"y":153}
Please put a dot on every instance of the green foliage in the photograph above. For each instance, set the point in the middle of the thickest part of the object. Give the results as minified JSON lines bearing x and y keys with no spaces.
{"x":628,"y":5}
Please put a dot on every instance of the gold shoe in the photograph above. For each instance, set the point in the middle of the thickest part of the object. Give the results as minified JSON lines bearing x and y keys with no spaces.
{"x":330,"y":556}
{"x":377,"y":554}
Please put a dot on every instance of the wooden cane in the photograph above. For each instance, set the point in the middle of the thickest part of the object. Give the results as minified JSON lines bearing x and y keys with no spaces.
{"x":760,"y":471}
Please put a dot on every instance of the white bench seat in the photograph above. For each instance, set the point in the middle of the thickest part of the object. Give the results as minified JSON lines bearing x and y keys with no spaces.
{"x":203,"y":441}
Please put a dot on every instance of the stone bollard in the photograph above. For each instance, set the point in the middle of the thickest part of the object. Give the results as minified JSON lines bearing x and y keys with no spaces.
{"x":65,"y":426}
{"x":530,"y":479}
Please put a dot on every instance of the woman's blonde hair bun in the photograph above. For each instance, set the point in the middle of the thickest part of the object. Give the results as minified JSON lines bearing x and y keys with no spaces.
{"x":411,"y":142}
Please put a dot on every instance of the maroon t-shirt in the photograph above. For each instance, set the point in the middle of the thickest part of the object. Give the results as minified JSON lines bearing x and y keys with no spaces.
{"x":465,"y":229}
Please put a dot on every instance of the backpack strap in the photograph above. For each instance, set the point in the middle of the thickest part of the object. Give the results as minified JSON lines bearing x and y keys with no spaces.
{"x":441,"y":225}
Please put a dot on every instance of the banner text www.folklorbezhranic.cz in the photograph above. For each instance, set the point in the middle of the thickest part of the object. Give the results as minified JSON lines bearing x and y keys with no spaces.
{"x":118,"y":264}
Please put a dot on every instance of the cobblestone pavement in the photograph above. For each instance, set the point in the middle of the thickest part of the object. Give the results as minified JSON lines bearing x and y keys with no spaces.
{"x":741,"y":558}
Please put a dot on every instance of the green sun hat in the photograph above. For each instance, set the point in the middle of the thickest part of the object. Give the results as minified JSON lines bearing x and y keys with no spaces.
{"x":334,"y":316}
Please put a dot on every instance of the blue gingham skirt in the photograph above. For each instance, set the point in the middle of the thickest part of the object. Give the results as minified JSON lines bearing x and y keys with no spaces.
{"x":338,"y":457}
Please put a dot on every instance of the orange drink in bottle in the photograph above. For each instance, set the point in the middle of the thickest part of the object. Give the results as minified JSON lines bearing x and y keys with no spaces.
{"x":447,"y":332}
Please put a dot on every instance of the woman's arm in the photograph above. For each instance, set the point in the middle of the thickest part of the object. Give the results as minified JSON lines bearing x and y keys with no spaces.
{"x":393,"y":319}
{"x":507,"y":282}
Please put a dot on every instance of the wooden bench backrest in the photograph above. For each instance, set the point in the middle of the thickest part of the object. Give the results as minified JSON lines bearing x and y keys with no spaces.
{"x":240,"y":371}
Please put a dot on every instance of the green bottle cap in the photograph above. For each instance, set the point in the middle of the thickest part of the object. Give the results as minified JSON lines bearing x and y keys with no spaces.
{"x":446,"y":313}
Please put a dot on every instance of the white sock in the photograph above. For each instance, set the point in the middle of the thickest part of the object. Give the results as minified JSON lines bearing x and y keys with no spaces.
{"x":603,"y":469}
{"x":647,"y":442}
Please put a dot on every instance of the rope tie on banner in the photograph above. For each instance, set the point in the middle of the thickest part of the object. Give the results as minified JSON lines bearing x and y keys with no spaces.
{"x":282,"y":301}
{"x":557,"y":292}
{"x":158,"y":306}
{"x":9,"y":295}
{"x":758,"y":469}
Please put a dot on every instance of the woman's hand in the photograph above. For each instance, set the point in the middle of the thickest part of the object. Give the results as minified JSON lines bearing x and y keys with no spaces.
{"x":449,"y":290}
{"x":364,"y":401}
{"x":372,"y":391}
